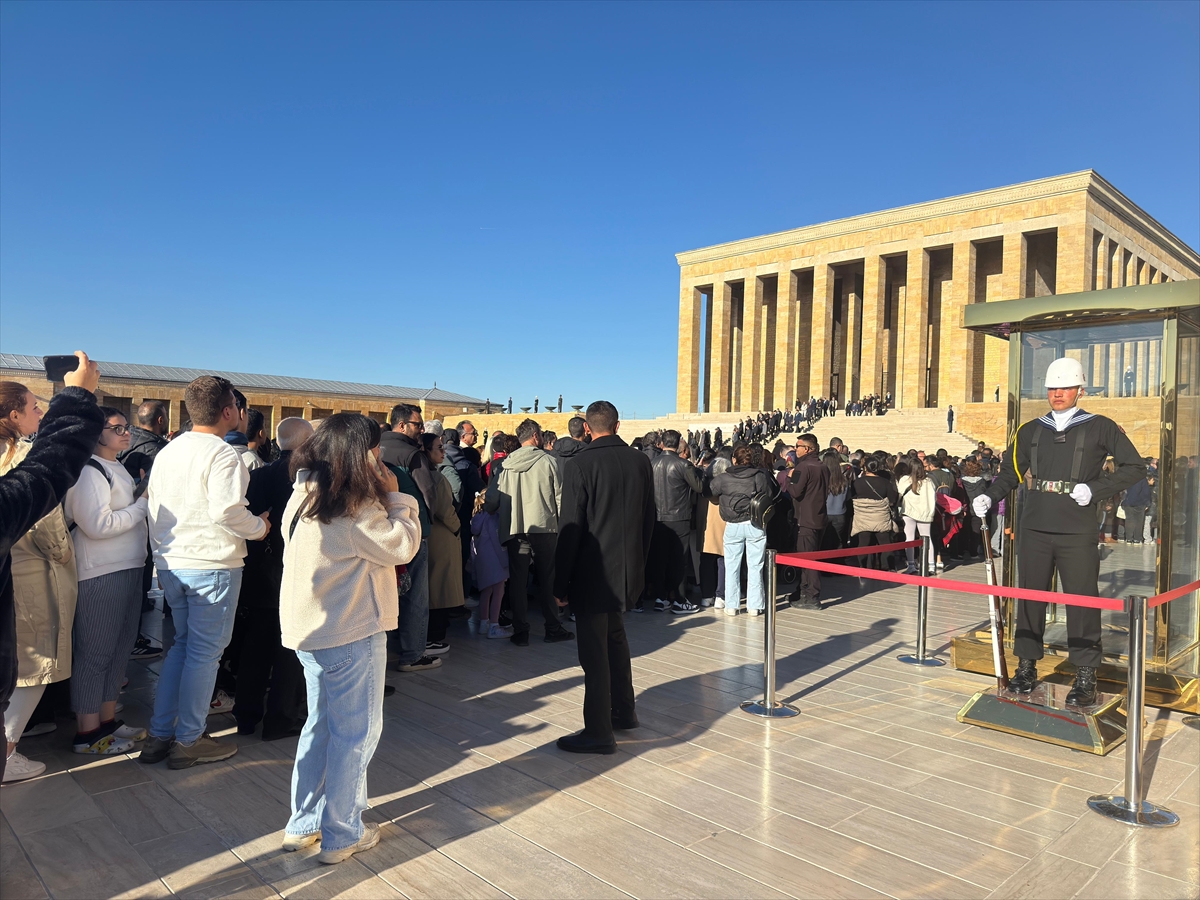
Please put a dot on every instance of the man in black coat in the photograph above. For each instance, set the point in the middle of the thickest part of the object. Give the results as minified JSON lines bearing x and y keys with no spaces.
{"x":146,"y":438}
{"x":263,"y":661}
{"x":66,"y":438}
{"x":603,"y":538}
{"x":809,"y":489}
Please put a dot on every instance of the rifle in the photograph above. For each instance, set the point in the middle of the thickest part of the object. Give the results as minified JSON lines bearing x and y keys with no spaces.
{"x":995,"y":612}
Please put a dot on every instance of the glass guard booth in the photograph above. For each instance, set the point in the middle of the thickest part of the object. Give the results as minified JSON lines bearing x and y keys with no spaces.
{"x":1140,"y":348}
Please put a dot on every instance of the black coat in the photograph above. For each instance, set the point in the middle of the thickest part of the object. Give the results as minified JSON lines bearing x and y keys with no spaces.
{"x":270,"y":489}
{"x":65,"y":441}
{"x":809,"y":488}
{"x":143,"y":447}
{"x":605,"y":527}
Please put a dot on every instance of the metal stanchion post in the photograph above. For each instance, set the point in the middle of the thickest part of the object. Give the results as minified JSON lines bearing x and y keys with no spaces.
{"x":1133,"y":809}
{"x":768,"y":707}
{"x":920,"y":659}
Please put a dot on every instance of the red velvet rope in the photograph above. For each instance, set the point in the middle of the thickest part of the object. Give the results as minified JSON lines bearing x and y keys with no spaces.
{"x":1170,"y":595}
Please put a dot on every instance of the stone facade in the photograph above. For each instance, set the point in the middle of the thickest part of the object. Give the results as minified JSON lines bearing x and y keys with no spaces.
{"x":874,"y":303}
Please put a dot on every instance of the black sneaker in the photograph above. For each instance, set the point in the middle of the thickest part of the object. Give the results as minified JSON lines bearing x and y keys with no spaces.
{"x":520,"y":638}
{"x":638,"y":607}
{"x":144,"y":648}
{"x":562,"y":634}
{"x":424,"y":664}
{"x":437,"y":648}
{"x":684,"y":607}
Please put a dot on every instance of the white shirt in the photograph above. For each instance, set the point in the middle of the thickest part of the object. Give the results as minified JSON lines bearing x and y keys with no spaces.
{"x":1062,"y":418}
{"x":110,"y":526}
{"x":198,"y":514}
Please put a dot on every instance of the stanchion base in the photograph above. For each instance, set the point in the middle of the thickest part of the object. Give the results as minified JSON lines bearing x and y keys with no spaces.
{"x":1192,"y":721}
{"x":1147,"y":815}
{"x":759,"y":708}
{"x":1045,"y":716}
{"x":916,"y":661}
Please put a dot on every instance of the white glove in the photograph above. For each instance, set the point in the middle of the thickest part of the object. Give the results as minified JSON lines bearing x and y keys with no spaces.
{"x":981,"y":504}
{"x":1082,"y":494}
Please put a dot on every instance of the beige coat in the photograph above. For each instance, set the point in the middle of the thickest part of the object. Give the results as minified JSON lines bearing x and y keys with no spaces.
{"x":45,"y":590}
{"x":714,"y":531}
{"x":445,"y":550}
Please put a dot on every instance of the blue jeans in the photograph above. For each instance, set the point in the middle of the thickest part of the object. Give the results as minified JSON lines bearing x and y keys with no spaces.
{"x":743,"y":538}
{"x":413,"y":629}
{"x":203,"y":603}
{"x":345,"y":719}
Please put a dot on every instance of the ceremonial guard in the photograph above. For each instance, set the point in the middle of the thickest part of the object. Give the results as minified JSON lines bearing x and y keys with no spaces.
{"x":1061,"y":457}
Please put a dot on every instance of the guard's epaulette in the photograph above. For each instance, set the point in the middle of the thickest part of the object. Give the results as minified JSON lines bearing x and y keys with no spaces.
{"x":1078,"y":419}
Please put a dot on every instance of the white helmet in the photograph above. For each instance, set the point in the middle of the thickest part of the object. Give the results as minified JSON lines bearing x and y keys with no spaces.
{"x":1065,"y":373}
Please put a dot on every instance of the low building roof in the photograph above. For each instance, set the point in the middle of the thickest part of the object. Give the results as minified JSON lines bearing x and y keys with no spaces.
{"x":246,"y":381}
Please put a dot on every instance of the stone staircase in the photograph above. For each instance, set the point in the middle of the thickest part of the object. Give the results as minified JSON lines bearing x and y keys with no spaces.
{"x":898,"y":431}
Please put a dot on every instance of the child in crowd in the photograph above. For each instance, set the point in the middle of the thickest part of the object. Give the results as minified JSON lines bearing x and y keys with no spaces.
{"x":489,"y":567}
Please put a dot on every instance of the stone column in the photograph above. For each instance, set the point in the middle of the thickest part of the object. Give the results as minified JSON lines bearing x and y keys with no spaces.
{"x":786,"y":319}
{"x":916,"y":329}
{"x":1116,"y":264}
{"x":1013,"y":272}
{"x":821,"y":359}
{"x":752,"y":325}
{"x":1103,"y":266}
{"x":687,"y":385}
{"x":851,"y":389}
{"x":874,"y":285}
{"x":956,"y":363}
{"x":276,"y":417}
{"x":719,"y":352}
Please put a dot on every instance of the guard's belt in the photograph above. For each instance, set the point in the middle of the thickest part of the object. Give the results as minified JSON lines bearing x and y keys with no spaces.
{"x":1054,"y":487}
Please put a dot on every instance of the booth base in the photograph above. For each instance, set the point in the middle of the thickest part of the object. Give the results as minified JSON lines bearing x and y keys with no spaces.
{"x":1043,"y":715}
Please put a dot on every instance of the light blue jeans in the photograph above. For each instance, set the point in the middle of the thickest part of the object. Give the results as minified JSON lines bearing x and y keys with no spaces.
{"x":203,"y":603}
{"x":345,"y":719}
{"x":742,"y":538}
{"x":413,"y":628}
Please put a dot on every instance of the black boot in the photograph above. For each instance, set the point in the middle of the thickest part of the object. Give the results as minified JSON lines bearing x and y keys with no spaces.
{"x":1083,"y":691}
{"x":1024,"y":678}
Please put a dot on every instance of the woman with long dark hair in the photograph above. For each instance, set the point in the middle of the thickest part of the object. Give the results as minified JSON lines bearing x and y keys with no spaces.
{"x":837,"y":500}
{"x":346,"y":528}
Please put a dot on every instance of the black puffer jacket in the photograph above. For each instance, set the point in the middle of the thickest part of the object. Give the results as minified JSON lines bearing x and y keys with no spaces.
{"x":736,"y":487}
{"x":143,"y":447}
{"x":676,"y":484}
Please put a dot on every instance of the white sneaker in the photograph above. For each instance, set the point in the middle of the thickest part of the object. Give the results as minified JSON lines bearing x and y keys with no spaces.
{"x":754,"y":612}
{"x":130,"y":733}
{"x":497,"y":631}
{"x":731,"y":610}
{"x":20,"y":767}
{"x":471,"y":602}
{"x":222,"y":703}
{"x":706,"y":602}
{"x":40,"y":728}
{"x":718,"y":602}
{"x":368,"y":840}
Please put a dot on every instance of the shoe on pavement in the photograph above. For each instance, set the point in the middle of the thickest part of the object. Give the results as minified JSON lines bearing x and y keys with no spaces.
{"x":155,"y":750}
{"x":706,"y":602}
{"x":205,"y":750}
{"x":625,"y":723}
{"x":128,"y":732}
{"x":370,"y":837}
{"x":39,"y":729}
{"x":754,"y":612}
{"x":555,"y":637}
{"x":19,"y":767}
{"x":101,"y":742}
{"x":144,"y":648}
{"x":520,"y":639}
{"x":221,"y":703}
{"x":684,"y":607}
{"x":437,"y":648}
{"x":718,"y":603}
{"x":582,"y":743}
{"x":496,"y":631}
{"x":731,"y":610}
{"x":294,"y":842}
{"x":806,"y":603}
{"x":424,"y":664}
{"x":639,"y":607}
{"x":661,"y":605}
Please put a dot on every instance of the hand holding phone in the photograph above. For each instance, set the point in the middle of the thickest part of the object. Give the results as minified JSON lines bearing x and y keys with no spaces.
{"x":75,"y":370}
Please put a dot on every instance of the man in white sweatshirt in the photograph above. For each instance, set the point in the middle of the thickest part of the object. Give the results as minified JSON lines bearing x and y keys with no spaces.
{"x":199,"y":525}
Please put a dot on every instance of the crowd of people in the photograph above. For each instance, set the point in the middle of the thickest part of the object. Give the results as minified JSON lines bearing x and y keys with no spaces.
{"x":295,"y":570}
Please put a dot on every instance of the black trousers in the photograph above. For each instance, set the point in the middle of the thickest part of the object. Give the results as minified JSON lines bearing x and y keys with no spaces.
{"x":1135,"y":523}
{"x":670,"y":560}
{"x":534,"y":551}
{"x":808,"y":540}
{"x":439,"y":622}
{"x":265,"y":663}
{"x":1077,"y":560}
{"x":607,"y":673}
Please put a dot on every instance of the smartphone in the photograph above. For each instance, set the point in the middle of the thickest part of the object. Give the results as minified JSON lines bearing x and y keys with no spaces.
{"x":58,"y":366}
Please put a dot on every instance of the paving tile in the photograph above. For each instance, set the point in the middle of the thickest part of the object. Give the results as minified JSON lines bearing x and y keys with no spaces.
{"x":48,"y":802}
{"x":420,"y":872}
{"x":89,"y":859}
{"x":111,"y":774}
{"x":350,"y":879}
{"x":1044,"y":876}
{"x":196,"y":861}
{"x":143,"y":812}
{"x":432,"y":816}
{"x":17,"y":875}
{"x":1116,"y":881}
{"x":1174,"y":852}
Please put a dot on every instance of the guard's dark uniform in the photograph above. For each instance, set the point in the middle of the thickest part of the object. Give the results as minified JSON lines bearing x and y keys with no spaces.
{"x":1056,"y":532}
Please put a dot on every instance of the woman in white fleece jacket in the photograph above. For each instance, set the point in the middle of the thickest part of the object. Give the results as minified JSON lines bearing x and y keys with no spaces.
{"x":345,"y":530}
{"x":108,"y":516}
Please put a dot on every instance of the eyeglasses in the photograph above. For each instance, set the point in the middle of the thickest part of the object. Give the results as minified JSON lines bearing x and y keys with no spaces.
{"x":118,"y":429}
{"x":416,"y":424}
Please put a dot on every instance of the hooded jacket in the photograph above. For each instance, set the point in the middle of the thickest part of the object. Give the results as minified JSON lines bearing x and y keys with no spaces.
{"x":527,"y":493}
{"x":736,"y":487}
{"x":143,"y":447}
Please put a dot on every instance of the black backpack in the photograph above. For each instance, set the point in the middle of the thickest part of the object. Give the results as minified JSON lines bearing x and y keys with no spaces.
{"x":772,"y":512}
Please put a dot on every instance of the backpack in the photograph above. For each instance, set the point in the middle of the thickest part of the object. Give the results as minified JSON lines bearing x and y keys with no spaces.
{"x":772,"y":513}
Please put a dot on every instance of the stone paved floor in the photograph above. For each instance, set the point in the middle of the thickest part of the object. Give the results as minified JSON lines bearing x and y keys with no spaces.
{"x":874,"y":791}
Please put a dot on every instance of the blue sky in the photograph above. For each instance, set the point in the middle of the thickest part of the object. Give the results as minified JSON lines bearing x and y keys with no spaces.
{"x":491,"y":196}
